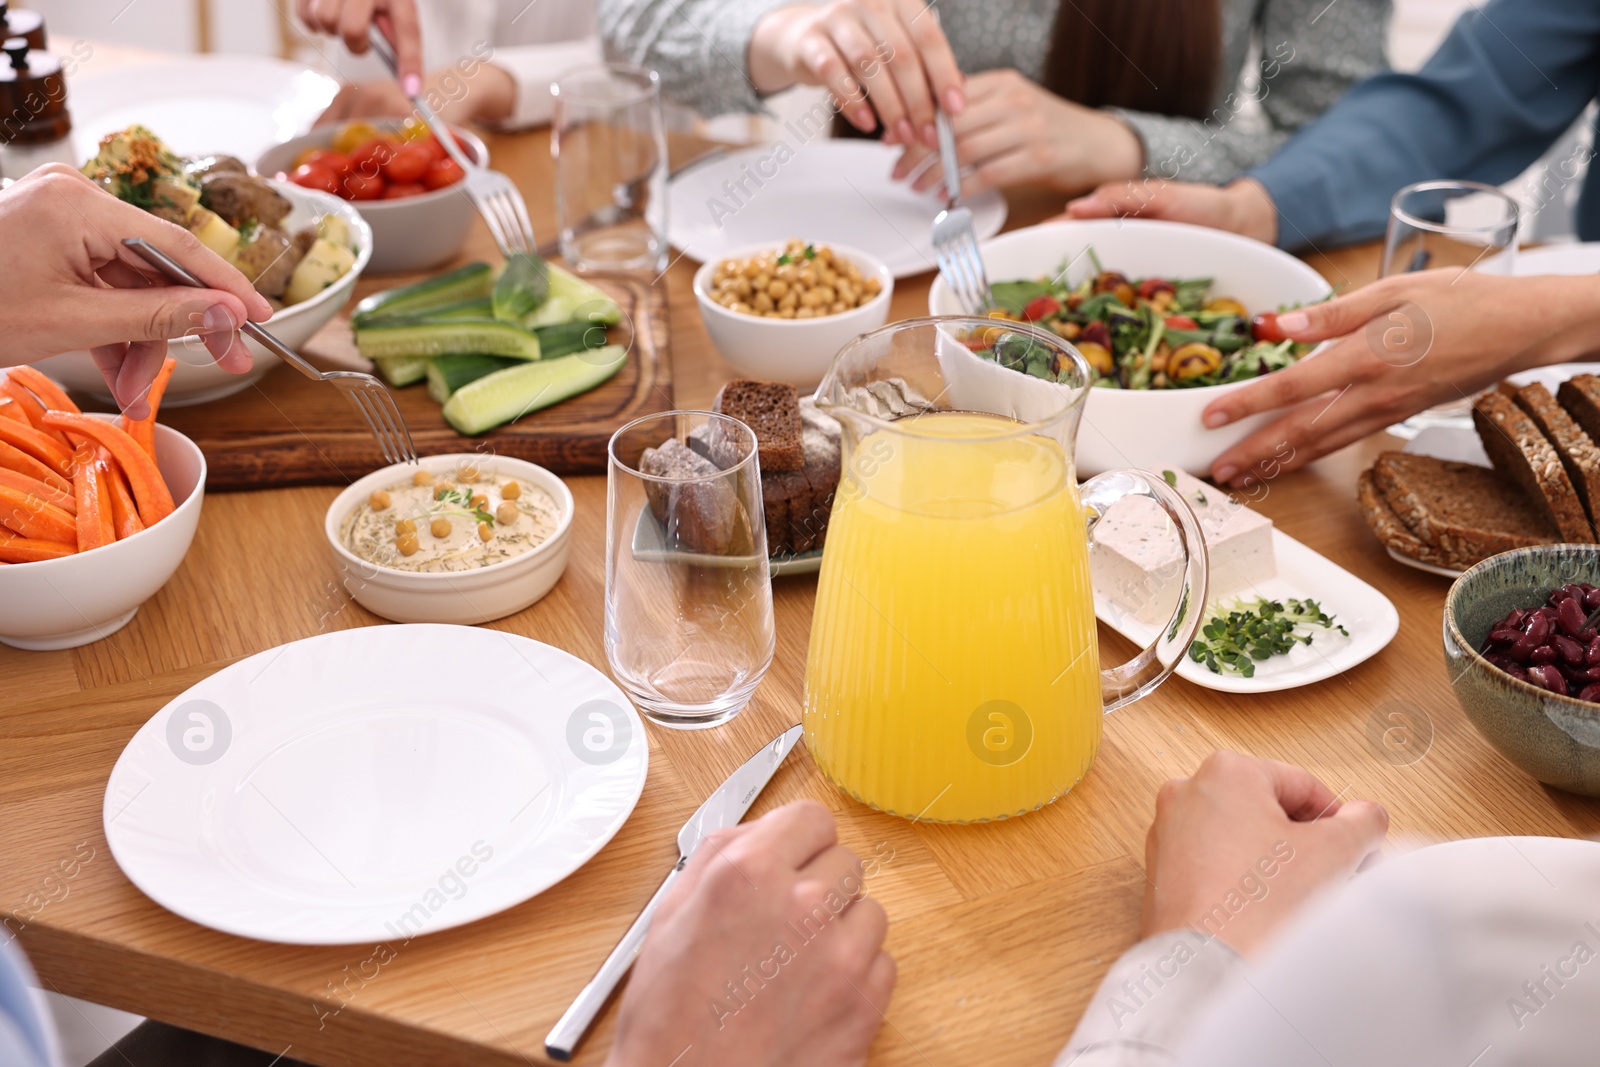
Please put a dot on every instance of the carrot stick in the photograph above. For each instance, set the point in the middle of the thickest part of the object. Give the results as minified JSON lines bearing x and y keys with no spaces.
{"x":34,"y":441}
{"x":14,"y":549}
{"x":149,"y":490}
{"x":10,"y":409}
{"x":30,"y":407}
{"x":49,"y":393}
{"x":124,"y":512}
{"x":30,"y":516}
{"x":22,"y":483}
{"x":144,"y":430}
{"x":14,"y":459}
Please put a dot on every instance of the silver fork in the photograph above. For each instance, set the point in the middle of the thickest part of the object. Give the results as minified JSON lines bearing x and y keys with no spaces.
{"x":494,"y":195}
{"x":954,"y":242}
{"x":369,"y":396}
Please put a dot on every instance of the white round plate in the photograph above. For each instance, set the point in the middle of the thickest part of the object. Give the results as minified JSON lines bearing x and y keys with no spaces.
{"x":825,"y":191}
{"x":375,"y":784}
{"x":199,"y":105}
{"x":1569,"y":258}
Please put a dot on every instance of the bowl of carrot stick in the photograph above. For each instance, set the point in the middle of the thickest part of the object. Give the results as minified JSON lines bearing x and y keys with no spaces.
{"x":96,"y":512}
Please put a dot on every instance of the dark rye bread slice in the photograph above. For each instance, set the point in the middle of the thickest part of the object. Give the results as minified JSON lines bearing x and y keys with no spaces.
{"x":1466,"y":512}
{"x":772,"y":410}
{"x":799,"y":503}
{"x":1526,"y":457}
{"x":699,"y":512}
{"x":1580,"y":397}
{"x":1576,"y":450}
{"x":1391,"y":532}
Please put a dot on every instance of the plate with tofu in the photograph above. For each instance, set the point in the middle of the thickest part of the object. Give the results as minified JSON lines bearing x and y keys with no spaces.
{"x":1135,"y":556}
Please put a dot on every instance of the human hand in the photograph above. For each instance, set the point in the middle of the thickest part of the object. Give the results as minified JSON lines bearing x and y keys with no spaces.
{"x":773,"y":911}
{"x":1015,"y":131}
{"x":892,"y":49}
{"x":70,"y":284}
{"x":1243,"y":206}
{"x":1476,"y":327}
{"x":1252,"y":830}
{"x":485,"y":93}
{"x":349,"y":20}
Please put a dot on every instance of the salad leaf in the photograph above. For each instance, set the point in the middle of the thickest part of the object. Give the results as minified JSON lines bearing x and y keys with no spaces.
{"x":1012,"y":297}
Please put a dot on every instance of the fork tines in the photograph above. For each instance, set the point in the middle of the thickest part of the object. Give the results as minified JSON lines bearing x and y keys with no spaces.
{"x":960,"y":263}
{"x":376,"y":404}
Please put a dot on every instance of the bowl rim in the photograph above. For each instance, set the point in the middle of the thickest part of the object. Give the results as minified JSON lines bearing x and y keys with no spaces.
{"x":477,"y":149}
{"x":330,"y":205}
{"x":711,"y":307}
{"x":192,"y":501}
{"x":342,"y":507}
{"x":1476,"y":658}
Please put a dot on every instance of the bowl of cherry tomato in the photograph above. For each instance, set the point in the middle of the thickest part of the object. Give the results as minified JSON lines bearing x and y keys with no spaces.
{"x":397,"y":175}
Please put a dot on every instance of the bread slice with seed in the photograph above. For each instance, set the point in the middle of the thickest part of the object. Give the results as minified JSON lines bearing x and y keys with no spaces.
{"x":1574,"y":447}
{"x":1391,"y":532}
{"x":1521,"y":452}
{"x":1466,"y":512}
{"x":1580,"y":397}
{"x":772,"y":410}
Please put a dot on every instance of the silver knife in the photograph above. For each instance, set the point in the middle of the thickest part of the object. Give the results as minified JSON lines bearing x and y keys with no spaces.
{"x":725,"y":807}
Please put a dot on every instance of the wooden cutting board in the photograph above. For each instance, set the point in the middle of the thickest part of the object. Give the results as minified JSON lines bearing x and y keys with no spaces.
{"x":289,"y":430}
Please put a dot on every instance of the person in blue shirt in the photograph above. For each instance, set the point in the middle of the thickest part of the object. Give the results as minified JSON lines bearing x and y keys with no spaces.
{"x":1508,"y":81}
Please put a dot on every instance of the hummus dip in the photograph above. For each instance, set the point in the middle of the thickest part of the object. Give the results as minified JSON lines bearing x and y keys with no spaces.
{"x":432,"y":523}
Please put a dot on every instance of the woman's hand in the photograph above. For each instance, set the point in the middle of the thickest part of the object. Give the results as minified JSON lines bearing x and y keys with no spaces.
{"x":1235,"y":850}
{"x":349,"y":20}
{"x":1242,"y":206}
{"x":1015,"y":132}
{"x":765,"y":954}
{"x":69,"y":283}
{"x":486,"y":93}
{"x":893,"y":51}
{"x":1409,"y":342}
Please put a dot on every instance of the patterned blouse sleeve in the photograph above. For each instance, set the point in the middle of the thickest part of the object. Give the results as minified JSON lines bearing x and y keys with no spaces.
{"x":698,"y":46}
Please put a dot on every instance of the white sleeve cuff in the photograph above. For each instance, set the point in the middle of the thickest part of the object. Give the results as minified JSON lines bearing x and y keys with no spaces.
{"x":534,"y":68}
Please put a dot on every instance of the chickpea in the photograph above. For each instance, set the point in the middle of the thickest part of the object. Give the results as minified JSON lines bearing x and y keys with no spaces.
{"x":761,"y":281}
{"x":790,"y":301}
{"x":825,"y":294}
{"x":506,"y":513}
{"x":468,"y":473}
{"x":379,"y":499}
{"x":407,"y":544}
{"x":776,"y":288}
{"x":485,"y":531}
{"x":808,"y":276}
{"x":810,"y":298}
{"x":838,"y":307}
{"x":422,"y":478}
{"x":510,"y":491}
{"x":763,"y":303}
{"x":479,"y":500}
{"x":806,"y":313}
{"x":405,"y":526}
{"x":440,"y":528}
{"x":742,"y":287}
{"x":786,"y":313}
{"x":442,"y":489}
{"x":874,"y":286}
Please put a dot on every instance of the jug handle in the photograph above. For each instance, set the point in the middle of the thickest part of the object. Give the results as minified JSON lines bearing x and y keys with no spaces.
{"x":1128,"y":682}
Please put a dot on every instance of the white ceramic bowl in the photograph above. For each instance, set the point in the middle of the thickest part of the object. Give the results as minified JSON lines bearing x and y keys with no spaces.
{"x":463,"y":597}
{"x":416,"y":233}
{"x":1151,"y":428}
{"x":797,"y":351}
{"x":67,"y":602}
{"x":197,"y":378}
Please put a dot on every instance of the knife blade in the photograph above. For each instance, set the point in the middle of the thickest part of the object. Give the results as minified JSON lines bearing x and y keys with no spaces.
{"x":725,"y":807}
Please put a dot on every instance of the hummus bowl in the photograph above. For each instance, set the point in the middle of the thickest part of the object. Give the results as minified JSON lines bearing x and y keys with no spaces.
{"x":464,"y":585}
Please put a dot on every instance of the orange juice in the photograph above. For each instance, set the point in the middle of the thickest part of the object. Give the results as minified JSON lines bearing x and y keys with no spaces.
{"x":953,"y":672}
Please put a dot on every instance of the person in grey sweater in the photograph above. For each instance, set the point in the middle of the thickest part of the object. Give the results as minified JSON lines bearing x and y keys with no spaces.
{"x":1067,"y":94}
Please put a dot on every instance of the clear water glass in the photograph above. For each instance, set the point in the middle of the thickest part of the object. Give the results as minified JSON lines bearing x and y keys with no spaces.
{"x":688,"y":627}
{"x":1433,"y":224}
{"x":609,"y":143}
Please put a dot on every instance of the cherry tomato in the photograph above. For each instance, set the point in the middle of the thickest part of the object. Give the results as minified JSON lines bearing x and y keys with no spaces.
{"x":1181,"y":322}
{"x":353,"y":135}
{"x":359,"y":186}
{"x":315,"y":176}
{"x":1041,"y":307}
{"x":370,"y":158}
{"x":337,"y":162}
{"x":1151,"y":286}
{"x":401,"y":190}
{"x":409,"y":164}
{"x":1264,"y":327}
{"x":443,"y":172}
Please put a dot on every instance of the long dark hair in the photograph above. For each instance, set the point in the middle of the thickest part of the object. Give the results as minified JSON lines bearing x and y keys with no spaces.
{"x":1160,"y":56}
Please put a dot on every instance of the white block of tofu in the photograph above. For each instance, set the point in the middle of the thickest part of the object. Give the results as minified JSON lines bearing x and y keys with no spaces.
{"x":1135,"y":559}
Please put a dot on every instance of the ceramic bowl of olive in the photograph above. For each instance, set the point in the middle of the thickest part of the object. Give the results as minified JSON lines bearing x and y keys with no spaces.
{"x":1525,"y":660}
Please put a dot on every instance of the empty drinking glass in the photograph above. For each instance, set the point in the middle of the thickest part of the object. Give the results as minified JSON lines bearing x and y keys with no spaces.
{"x":610,"y":149}
{"x":1466,"y":225}
{"x":688,"y":629}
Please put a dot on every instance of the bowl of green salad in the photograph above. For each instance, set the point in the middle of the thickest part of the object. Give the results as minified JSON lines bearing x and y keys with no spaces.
{"x":1168,"y":317}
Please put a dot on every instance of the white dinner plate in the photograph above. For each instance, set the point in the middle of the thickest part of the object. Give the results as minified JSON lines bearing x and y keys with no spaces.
{"x":199,"y":105}
{"x":1302,"y":573}
{"x":1568,"y":258}
{"x":819,"y":190}
{"x":374,"y":784}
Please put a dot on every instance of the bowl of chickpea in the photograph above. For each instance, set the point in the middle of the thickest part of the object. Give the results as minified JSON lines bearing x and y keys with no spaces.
{"x":781,"y":312}
{"x":460,"y":538}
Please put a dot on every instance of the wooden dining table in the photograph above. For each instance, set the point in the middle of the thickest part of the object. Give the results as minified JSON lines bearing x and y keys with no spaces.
{"x":1001,"y":931}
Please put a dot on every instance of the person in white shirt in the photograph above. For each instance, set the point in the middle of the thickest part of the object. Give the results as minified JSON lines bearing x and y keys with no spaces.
{"x":485,"y":61}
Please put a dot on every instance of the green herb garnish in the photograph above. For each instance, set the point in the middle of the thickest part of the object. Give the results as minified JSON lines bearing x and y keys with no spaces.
{"x":1237,"y":637}
{"x":786,"y":259}
{"x":1171,"y":478}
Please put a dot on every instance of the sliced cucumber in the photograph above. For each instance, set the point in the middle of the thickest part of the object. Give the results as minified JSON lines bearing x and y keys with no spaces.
{"x":565,"y":338}
{"x":523,"y":285}
{"x":573,"y":298}
{"x":446,"y":374}
{"x":471,"y":282}
{"x":419,"y":337}
{"x":479,"y":308}
{"x":512,"y":393}
{"x":403,"y":370}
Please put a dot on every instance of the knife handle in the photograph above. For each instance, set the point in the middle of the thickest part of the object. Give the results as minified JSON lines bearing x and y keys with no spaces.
{"x":564,"y":1037}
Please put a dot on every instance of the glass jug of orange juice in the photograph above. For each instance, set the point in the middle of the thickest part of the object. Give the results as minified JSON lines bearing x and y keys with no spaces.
{"x":953,"y":673}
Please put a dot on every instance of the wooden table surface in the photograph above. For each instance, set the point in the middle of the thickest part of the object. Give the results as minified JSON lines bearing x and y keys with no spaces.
{"x":1001,"y":931}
